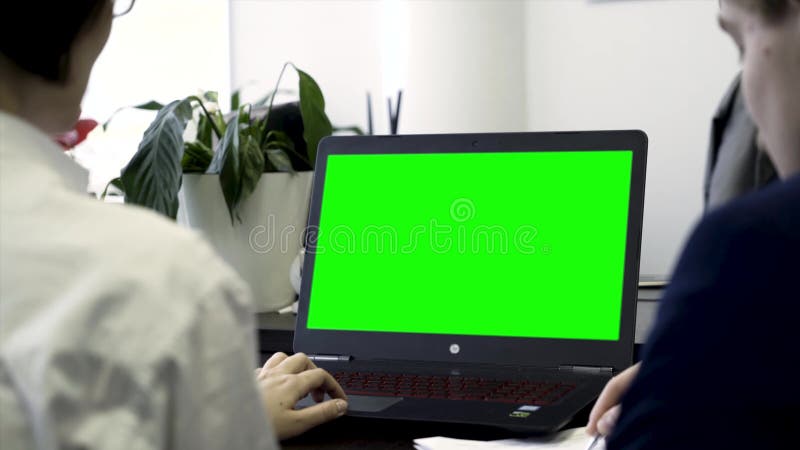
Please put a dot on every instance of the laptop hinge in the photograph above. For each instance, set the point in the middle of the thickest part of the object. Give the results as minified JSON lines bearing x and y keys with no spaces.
{"x":330,"y":357}
{"x":588,"y":369}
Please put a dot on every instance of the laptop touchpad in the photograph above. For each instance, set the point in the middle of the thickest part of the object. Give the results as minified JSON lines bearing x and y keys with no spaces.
{"x":360,"y":403}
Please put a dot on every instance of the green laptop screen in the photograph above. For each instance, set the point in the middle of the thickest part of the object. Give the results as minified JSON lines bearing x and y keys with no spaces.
{"x":515,"y":244}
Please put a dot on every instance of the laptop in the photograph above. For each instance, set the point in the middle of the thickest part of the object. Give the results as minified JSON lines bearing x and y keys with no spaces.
{"x":486,"y":279}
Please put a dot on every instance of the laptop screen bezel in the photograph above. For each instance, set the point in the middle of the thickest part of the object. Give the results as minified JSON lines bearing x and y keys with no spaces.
{"x":537,"y":352}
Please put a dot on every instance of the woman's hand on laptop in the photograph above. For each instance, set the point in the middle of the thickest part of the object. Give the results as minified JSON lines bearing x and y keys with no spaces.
{"x":285,"y":380}
{"x":606,"y":411}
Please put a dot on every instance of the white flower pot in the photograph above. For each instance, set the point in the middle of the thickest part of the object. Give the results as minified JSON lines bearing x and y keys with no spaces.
{"x":262,"y":247}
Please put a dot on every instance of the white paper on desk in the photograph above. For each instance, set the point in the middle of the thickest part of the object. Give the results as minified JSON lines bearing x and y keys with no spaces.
{"x":574,"y":439}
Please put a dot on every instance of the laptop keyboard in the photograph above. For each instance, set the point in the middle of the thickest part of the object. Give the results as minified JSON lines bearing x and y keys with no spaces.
{"x":452,"y":387}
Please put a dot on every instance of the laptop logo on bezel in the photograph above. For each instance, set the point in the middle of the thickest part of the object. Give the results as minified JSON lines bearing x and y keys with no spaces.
{"x":454,"y":349}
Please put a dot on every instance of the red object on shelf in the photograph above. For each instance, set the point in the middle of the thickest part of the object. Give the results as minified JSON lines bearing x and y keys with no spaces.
{"x":74,"y":137}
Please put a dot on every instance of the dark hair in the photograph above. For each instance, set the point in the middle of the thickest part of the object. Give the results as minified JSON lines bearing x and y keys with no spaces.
{"x":772,"y":10}
{"x":38,"y":36}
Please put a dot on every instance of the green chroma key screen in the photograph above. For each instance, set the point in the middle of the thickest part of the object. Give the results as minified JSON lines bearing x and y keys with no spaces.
{"x":522,"y":244}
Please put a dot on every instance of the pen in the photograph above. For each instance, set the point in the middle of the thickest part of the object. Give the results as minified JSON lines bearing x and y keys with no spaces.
{"x":394,"y":114}
{"x":593,"y":445}
{"x":369,"y":114}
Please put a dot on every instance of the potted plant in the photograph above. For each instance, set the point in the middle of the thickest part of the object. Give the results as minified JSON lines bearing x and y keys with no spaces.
{"x":244,"y":180}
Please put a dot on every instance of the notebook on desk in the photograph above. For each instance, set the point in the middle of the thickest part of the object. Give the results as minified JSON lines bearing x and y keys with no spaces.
{"x":483,"y":279}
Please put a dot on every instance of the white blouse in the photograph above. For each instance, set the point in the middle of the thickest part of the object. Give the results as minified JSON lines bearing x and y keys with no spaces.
{"x":118,"y":329}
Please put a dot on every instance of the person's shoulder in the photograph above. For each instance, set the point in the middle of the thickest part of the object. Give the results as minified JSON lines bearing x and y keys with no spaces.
{"x":773,"y":206}
{"x":136,"y":229}
{"x":731,"y":304}
{"x":141,"y":246}
{"x":159,"y":278}
{"x":743,"y":249}
{"x":756,"y":223}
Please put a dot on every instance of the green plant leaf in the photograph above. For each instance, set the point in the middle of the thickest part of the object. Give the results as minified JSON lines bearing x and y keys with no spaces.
{"x":205,"y":131}
{"x":219,"y":120}
{"x":236,"y":100}
{"x":277,"y":137}
{"x":117,"y":183}
{"x":211,"y":96}
{"x":265,"y":121}
{"x":355,"y":129}
{"x":227,"y":162}
{"x":244,"y":115}
{"x":268,"y":97}
{"x":239,"y":161}
{"x":152,"y":105}
{"x":316,"y":124}
{"x":202,"y":106}
{"x":153,"y":176}
{"x":280,"y":161}
{"x":252,"y":167}
{"x":196,"y":157}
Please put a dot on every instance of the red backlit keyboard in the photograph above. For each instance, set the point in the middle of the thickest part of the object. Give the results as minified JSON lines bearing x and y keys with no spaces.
{"x":452,"y":387}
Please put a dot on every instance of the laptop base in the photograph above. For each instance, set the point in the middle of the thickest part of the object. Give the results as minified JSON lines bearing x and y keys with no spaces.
{"x":515,"y":417}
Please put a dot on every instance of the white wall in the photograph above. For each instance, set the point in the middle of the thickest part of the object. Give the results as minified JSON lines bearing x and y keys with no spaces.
{"x":336,"y":42}
{"x":459,"y":62}
{"x":508,"y":65}
{"x":156,"y":52}
{"x":466,"y":71}
{"x":162,"y":50}
{"x":660,"y":66}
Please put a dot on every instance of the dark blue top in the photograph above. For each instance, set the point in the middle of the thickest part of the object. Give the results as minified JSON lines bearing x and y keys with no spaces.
{"x":721,"y":368}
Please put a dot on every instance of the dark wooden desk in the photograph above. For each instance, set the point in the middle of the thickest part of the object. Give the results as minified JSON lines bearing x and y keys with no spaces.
{"x":354,"y":433}
{"x":276,"y":332}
